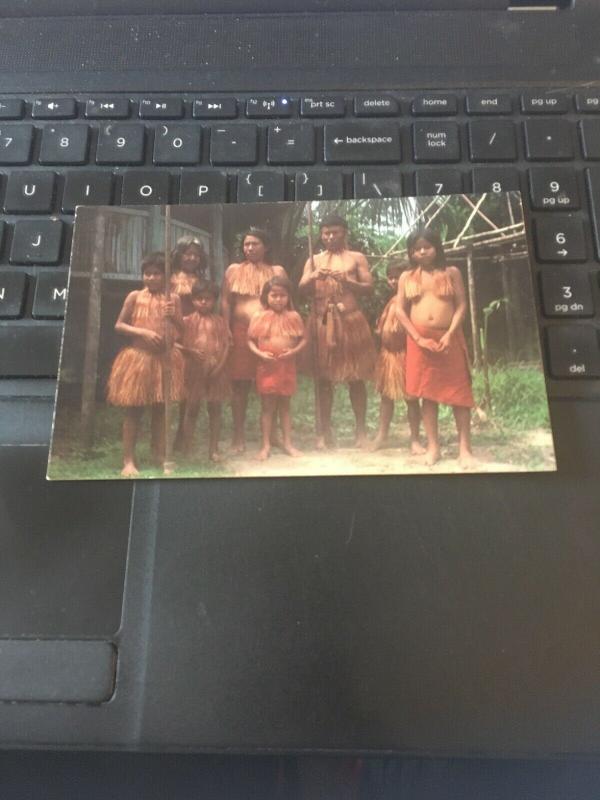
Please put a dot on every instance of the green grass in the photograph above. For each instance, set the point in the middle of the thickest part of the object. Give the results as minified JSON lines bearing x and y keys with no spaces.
{"x":518,"y":406}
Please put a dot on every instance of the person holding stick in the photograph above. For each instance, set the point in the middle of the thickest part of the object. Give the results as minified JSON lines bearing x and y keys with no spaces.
{"x":345,"y":352}
{"x":137,"y":378}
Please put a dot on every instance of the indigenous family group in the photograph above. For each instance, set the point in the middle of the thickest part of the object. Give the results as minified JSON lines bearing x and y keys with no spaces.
{"x":186,"y":345}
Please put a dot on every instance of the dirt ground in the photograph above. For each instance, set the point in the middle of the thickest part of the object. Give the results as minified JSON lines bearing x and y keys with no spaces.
{"x":390,"y":461}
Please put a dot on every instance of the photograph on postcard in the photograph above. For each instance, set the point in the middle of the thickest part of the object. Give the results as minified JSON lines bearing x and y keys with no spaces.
{"x":347,"y":337}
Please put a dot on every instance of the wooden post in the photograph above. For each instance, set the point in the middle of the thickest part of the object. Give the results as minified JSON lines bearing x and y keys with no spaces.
{"x":168,"y":465}
{"x":508,"y":311}
{"x":216,"y":254}
{"x":92,"y":332}
{"x":473,"y":309}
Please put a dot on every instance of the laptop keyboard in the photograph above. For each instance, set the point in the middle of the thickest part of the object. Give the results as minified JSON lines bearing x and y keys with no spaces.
{"x":60,"y":152}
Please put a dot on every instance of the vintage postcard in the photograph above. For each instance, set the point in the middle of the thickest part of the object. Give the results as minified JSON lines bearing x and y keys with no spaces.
{"x":356,"y":337}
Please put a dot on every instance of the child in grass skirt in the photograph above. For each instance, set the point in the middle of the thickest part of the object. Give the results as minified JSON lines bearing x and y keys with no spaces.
{"x":153,"y":323}
{"x":390,"y":377}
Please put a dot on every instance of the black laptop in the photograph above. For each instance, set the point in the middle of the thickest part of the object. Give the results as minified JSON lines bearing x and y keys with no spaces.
{"x":423,"y":615}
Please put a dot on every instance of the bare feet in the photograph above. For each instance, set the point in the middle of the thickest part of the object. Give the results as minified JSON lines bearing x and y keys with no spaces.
{"x":216,"y":456}
{"x":432,"y":456}
{"x":467,"y":460}
{"x":378,"y":443}
{"x":129,"y":470}
{"x":326,"y":442}
{"x":361,"y":441}
{"x":169,"y":467}
{"x":291,"y":450}
{"x":237,"y":448}
{"x":263,"y":454}
{"x":416,"y":448}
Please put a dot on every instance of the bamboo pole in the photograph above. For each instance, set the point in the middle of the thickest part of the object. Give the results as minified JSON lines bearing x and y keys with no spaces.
{"x":473,"y":309}
{"x":314,"y":334}
{"x":168,"y":465}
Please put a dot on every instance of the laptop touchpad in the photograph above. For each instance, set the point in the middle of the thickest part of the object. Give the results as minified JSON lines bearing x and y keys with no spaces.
{"x":64,"y":547}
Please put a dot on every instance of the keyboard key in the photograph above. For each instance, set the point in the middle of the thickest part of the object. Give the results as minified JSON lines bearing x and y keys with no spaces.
{"x":362,"y":142}
{"x":215,"y":108}
{"x":559,"y":239}
{"x":11,"y":108}
{"x":377,"y":182}
{"x":54,"y":108}
{"x":107,"y":108}
{"x":545,"y":103}
{"x":442,"y":181}
{"x":291,"y":143}
{"x":436,"y":141}
{"x":141,"y":187}
{"x":260,"y":187}
{"x":15,"y":144}
{"x":573,"y":351}
{"x":203,"y":187}
{"x":319,"y":185}
{"x":320,"y":105}
{"x":161,"y":108}
{"x":64,"y":144}
{"x":489,"y":103}
{"x":120,"y":144}
{"x":593,"y":185}
{"x":29,"y":351}
{"x":548,"y":139}
{"x":234,"y":144}
{"x":566,"y":293}
{"x":435,"y":105}
{"x":177,"y":144}
{"x":37,"y":242}
{"x":13,"y":291}
{"x":588,"y":102}
{"x":268,"y":107}
{"x":553,"y":188}
{"x":87,"y":189}
{"x":50,"y":295}
{"x":376,"y":105}
{"x":590,"y":138}
{"x":492,"y":140}
{"x":494,"y":179}
{"x":29,"y":192}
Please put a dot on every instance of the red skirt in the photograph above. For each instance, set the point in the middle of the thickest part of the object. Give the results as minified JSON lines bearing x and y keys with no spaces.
{"x":441,"y":377}
{"x":276,"y":377}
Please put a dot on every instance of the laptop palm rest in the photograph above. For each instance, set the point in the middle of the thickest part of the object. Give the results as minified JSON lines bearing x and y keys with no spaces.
{"x":64,"y":548}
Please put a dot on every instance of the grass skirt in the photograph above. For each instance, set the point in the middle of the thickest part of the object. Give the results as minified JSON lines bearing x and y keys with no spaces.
{"x":349,"y":355}
{"x":137,"y":375}
{"x":389,"y":374}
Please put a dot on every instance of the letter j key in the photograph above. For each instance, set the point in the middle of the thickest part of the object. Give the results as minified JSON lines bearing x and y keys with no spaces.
{"x":37,"y":242}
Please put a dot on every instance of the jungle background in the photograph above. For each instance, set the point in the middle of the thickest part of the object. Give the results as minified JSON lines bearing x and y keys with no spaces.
{"x":484,"y":236}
